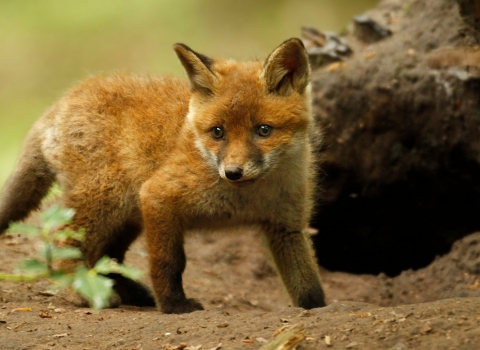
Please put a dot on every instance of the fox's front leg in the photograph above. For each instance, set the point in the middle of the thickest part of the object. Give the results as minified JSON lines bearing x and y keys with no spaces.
{"x":296,"y":263}
{"x":164,"y":235}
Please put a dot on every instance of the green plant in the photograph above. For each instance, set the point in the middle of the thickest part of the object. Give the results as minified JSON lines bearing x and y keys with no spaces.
{"x":89,"y":283}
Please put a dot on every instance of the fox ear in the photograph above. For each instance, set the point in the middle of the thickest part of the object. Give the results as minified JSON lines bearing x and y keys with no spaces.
{"x":287,"y":68}
{"x":198,"y":67}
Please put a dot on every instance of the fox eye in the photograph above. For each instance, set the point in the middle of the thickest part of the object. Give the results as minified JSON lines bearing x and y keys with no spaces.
{"x":217,"y":132}
{"x":264,"y":130}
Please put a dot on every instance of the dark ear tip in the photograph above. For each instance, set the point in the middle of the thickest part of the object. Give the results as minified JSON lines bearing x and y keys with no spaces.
{"x":294,"y":41}
{"x":179,"y":46}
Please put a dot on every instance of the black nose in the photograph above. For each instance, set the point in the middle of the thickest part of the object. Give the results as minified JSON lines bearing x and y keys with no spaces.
{"x":233,"y":172}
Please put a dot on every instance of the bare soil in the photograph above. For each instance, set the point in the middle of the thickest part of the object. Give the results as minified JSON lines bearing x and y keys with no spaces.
{"x":245,"y":304}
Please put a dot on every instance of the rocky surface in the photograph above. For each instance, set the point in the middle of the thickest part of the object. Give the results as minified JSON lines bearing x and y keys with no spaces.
{"x":401,"y":119}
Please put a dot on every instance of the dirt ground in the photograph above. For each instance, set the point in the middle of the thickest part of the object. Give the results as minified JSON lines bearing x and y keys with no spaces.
{"x":245,"y":304}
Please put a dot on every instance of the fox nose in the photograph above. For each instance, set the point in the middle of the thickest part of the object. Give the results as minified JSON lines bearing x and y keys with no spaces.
{"x":233,"y":172}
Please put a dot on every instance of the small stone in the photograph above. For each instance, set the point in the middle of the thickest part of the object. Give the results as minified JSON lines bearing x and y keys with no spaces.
{"x":351,"y":345}
{"x":60,"y":335}
{"x":328,"y":340}
{"x":48,"y":293}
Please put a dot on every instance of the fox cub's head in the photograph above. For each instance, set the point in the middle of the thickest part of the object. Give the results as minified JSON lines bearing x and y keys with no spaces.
{"x":249,"y":118}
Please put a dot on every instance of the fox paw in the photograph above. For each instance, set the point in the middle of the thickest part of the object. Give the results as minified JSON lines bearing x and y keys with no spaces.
{"x":312,"y":300}
{"x":180,"y":306}
{"x":133,"y":293}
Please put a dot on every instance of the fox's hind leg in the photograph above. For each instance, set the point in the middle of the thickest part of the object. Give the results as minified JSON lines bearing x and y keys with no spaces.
{"x":110,"y":232}
{"x":28,"y":184}
{"x":130,"y":292}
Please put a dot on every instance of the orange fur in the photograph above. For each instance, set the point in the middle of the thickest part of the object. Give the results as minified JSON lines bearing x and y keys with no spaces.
{"x":231,"y":147}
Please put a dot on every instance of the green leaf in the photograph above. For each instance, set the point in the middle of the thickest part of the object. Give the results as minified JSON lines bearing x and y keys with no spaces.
{"x":97,"y":289}
{"x":28,"y":230}
{"x":65,"y":234}
{"x":61,"y":279}
{"x":16,"y":278}
{"x":129,"y":272}
{"x":65,"y":253}
{"x":56,"y":216}
{"x":54,"y":193}
{"x":107,"y":265}
{"x":33,"y":267}
{"x":50,"y":252}
{"x":46,"y":251}
{"x":103,"y":265}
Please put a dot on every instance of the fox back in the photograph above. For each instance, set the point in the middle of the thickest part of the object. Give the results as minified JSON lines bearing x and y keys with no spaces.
{"x":231,"y":146}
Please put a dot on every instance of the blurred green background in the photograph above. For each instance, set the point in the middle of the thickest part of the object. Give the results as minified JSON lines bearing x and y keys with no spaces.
{"x":46,"y":46}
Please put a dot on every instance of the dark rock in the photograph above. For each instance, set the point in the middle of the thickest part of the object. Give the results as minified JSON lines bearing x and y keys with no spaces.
{"x":368,"y":30}
{"x":324,"y":48}
{"x":401,"y":155}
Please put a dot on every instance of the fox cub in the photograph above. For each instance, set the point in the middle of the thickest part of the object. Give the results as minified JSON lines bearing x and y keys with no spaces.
{"x":230,"y":146}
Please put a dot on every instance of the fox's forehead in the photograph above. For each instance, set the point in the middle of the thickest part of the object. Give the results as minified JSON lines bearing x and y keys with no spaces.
{"x":237,"y":75}
{"x":239,"y":87}
{"x":241,"y":97}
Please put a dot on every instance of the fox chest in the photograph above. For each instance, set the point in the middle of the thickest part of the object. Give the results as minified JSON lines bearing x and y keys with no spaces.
{"x":257,"y":203}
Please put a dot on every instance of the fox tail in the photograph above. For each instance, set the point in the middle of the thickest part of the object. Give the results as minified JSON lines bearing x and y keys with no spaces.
{"x":28,"y":184}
